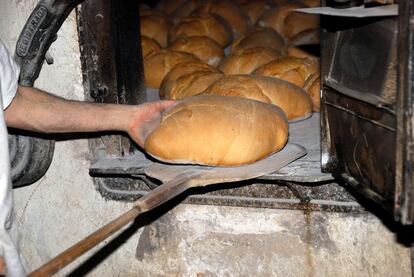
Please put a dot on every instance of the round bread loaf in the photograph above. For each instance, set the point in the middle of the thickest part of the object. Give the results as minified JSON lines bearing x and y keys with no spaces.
{"x":275,"y":17}
{"x":245,"y":61}
{"x":297,"y":22}
{"x":293,"y":100}
{"x":299,"y":53}
{"x":261,"y":37}
{"x":255,"y":9}
{"x":208,"y":25}
{"x":169,"y":6}
{"x":218,"y":131}
{"x":155,"y":26}
{"x":291,"y":69}
{"x":238,"y":20}
{"x":185,"y":10}
{"x":190,"y":84}
{"x":149,"y":46}
{"x":182,"y":69}
{"x":313,"y":88}
{"x":307,"y":37}
{"x":203,"y":47}
{"x":156,"y":66}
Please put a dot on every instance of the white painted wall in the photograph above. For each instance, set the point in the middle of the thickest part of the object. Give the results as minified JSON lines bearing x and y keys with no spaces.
{"x":191,"y":240}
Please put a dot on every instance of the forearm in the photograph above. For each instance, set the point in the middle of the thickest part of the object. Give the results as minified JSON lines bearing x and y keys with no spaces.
{"x":38,"y":111}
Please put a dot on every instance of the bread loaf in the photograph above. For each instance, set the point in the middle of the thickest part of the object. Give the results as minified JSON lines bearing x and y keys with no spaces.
{"x":169,"y":6}
{"x":307,"y":37}
{"x":297,"y":22}
{"x":169,"y":83}
{"x":292,"y":99}
{"x":149,"y":46}
{"x":291,"y":69}
{"x":245,"y":61}
{"x":190,"y":84}
{"x":156,"y":66}
{"x":275,"y":17}
{"x":155,"y":26}
{"x":203,"y":47}
{"x":185,"y":10}
{"x":255,"y":9}
{"x":208,"y":25}
{"x":218,"y":131}
{"x":261,"y":37}
{"x":238,"y":20}
{"x":299,"y":53}
{"x":313,"y":88}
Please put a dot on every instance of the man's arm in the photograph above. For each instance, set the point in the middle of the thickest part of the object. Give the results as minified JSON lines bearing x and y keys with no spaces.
{"x":35,"y":110}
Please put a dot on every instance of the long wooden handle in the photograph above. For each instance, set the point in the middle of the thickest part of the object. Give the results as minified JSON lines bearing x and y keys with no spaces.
{"x":153,"y":199}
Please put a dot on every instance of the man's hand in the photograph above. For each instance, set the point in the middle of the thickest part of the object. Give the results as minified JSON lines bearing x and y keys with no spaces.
{"x":145,"y":119}
{"x":38,"y":111}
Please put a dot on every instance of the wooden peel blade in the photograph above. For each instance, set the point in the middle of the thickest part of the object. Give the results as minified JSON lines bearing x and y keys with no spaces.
{"x":177,"y":179}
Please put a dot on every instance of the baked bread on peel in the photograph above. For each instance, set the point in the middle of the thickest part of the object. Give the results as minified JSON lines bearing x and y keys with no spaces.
{"x":218,"y":131}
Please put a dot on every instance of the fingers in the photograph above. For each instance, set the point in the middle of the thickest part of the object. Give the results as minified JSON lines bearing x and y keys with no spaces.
{"x":163,"y":104}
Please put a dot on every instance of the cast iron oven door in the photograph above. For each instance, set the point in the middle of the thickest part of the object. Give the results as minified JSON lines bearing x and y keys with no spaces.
{"x":31,"y":155}
{"x":366,"y":109}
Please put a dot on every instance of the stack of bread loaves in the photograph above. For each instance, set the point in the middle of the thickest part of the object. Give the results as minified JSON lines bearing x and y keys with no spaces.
{"x":238,"y":68}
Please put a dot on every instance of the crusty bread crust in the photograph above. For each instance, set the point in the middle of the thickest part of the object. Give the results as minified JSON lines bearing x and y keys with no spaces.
{"x":219,"y":131}
{"x":293,"y":100}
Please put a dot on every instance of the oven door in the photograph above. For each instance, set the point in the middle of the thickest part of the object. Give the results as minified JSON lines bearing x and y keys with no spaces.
{"x":367,"y":108}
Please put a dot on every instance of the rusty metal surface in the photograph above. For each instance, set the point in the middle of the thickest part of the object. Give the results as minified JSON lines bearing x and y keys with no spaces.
{"x":363,"y":110}
{"x":323,"y":196}
{"x":362,"y":63}
{"x":404,"y":193}
{"x":111,"y":62}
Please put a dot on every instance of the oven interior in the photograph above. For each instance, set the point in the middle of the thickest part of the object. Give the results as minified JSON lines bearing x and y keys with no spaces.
{"x":359,"y":146}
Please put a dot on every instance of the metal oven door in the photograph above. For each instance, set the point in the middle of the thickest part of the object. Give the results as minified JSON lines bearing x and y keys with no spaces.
{"x":367,"y":107}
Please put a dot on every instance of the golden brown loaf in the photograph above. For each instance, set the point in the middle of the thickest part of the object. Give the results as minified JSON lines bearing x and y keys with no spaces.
{"x":245,"y":61}
{"x":260,"y":37}
{"x":208,"y":25}
{"x":313,"y":88}
{"x":299,"y":53}
{"x":156,"y":66}
{"x":149,"y":46}
{"x":292,"y":99}
{"x":183,"y":69}
{"x":291,"y":69}
{"x":237,"y":18}
{"x":190,"y":84}
{"x":218,"y":131}
{"x":155,"y":27}
{"x":276,"y":18}
{"x":185,"y":10}
{"x":307,"y":37}
{"x":297,"y":22}
{"x":203,"y":47}
{"x":255,"y":9}
{"x":169,"y":6}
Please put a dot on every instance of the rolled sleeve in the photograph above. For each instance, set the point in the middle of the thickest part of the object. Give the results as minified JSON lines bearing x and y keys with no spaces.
{"x":9,"y":76}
